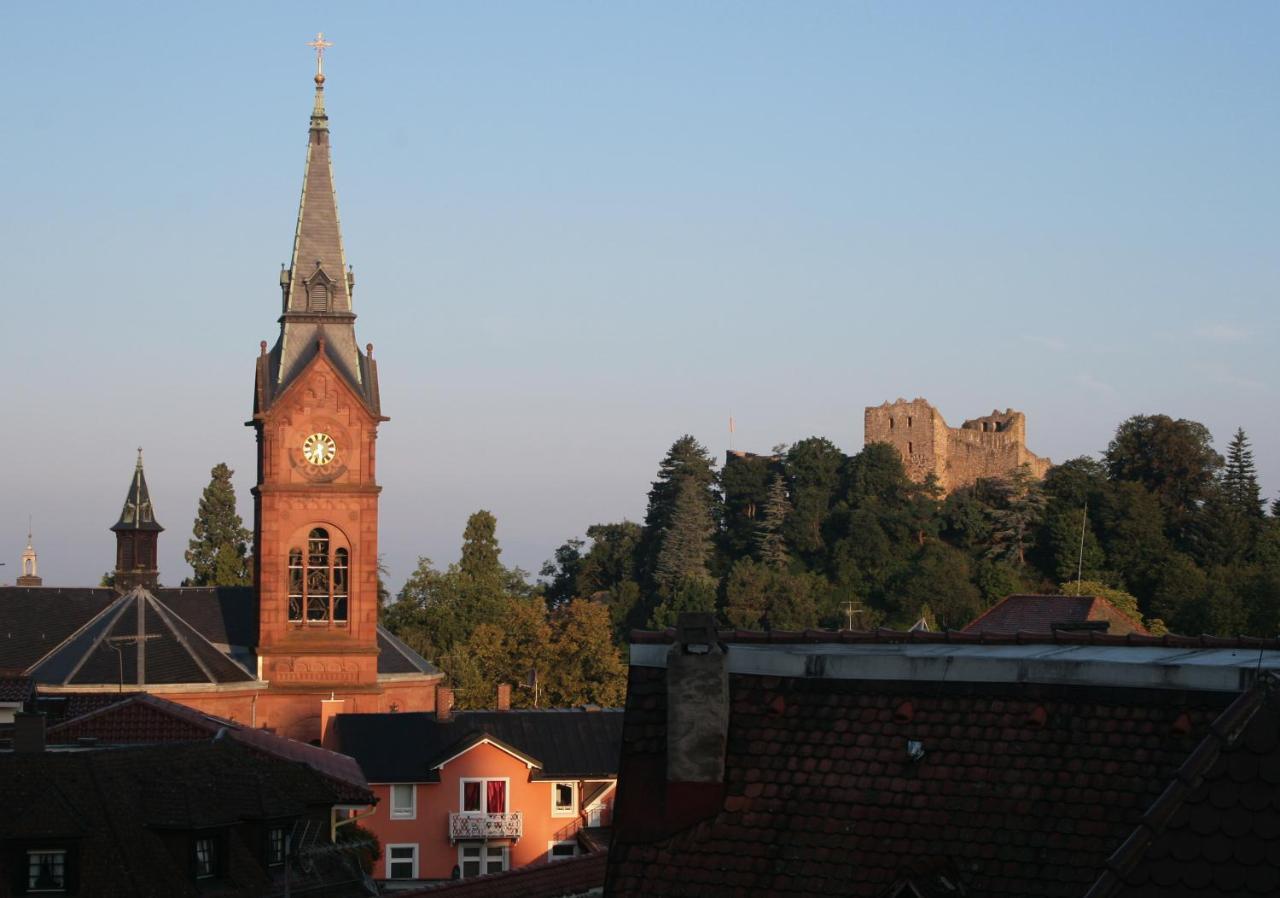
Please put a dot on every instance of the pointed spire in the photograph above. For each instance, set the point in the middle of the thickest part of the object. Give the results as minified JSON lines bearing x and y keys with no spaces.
{"x":317,"y":283}
{"x":137,"y":513}
{"x":30,"y":565}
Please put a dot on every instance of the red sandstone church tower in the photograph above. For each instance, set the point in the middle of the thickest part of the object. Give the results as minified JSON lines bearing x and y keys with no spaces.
{"x":316,"y":413}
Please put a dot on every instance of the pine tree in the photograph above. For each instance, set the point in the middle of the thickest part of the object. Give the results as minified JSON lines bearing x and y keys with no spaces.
{"x":770,"y":542}
{"x":219,"y":547}
{"x":480,"y":550}
{"x":1240,"y":478}
{"x":686,"y":542}
{"x":686,"y":461}
{"x":1022,"y":508}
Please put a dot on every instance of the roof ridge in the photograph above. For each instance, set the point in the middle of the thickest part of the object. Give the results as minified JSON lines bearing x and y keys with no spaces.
{"x":75,"y":633}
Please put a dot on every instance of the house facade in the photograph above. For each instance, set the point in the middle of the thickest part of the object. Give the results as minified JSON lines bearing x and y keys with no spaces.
{"x":478,"y":792}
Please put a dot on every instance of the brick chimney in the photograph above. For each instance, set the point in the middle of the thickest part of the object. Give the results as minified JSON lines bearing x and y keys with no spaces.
{"x":697,"y":719}
{"x":28,"y":732}
{"x":504,"y":697}
{"x":330,"y":708}
{"x":444,"y":703}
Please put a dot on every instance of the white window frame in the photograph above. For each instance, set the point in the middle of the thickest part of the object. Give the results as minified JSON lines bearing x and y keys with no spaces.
{"x":412,"y":813}
{"x":484,"y":793}
{"x":212,"y":858}
{"x":572,"y":810}
{"x":32,"y":890}
{"x":483,"y":848}
{"x":391,"y":846}
{"x":551,"y":846}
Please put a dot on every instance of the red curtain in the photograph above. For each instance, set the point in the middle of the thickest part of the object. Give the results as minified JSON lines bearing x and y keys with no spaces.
{"x":497,"y":795}
{"x":471,"y":796}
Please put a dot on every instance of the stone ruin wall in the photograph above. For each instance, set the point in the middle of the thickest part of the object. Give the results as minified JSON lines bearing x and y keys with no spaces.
{"x":989,"y":446}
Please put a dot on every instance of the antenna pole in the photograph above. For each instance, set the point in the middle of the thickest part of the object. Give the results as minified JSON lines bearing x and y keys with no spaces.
{"x":1084,"y":516}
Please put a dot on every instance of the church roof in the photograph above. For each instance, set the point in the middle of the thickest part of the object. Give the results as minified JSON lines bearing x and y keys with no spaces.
{"x":136,"y":641}
{"x":137,"y":513}
{"x":318,"y":315}
{"x":37,"y":623}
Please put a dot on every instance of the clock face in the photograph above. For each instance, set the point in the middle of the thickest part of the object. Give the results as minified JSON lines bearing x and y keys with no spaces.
{"x":319,"y":449}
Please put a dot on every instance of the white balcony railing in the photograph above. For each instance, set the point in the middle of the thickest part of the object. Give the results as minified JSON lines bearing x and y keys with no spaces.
{"x":470,"y":825}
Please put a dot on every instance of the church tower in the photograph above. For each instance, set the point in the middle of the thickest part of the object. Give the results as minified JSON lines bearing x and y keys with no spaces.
{"x":137,"y":533}
{"x":316,"y":413}
{"x":30,"y":569}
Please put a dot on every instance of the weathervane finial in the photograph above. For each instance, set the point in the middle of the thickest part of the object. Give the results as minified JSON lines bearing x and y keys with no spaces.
{"x":321,"y":45}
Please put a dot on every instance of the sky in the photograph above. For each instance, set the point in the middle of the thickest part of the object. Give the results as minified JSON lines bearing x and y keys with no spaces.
{"x":580,"y":231}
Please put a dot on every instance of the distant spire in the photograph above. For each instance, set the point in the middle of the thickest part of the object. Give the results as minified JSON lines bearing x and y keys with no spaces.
{"x":30,"y":565}
{"x":137,"y":513}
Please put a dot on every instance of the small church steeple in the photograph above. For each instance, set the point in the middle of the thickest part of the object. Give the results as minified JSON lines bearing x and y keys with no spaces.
{"x":30,"y":569}
{"x":137,"y":533}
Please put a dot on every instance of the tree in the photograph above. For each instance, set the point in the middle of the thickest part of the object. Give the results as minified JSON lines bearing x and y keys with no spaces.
{"x":560,"y":574}
{"x":1014,"y":521}
{"x":813,"y":477}
{"x":219,"y":548}
{"x":771,"y":545}
{"x":1240,"y":478}
{"x":479,"y":562}
{"x":686,"y":461}
{"x":690,"y":594}
{"x":586,"y":667}
{"x":686,"y":542}
{"x":1175,"y":460}
{"x":1124,"y":602}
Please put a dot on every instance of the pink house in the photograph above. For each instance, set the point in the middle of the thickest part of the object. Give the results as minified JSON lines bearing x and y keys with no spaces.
{"x":467,"y":793}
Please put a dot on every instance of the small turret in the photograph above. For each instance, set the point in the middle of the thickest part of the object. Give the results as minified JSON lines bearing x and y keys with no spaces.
{"x":30,"y":569}
{"x":137,"y":533}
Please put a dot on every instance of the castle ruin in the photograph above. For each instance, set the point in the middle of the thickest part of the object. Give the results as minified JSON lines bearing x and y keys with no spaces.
{"x":989,"y":446}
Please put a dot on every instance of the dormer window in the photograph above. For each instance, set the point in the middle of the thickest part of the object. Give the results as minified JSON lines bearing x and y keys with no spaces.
{"x":206,"y":859}
{"x":47,"y":870}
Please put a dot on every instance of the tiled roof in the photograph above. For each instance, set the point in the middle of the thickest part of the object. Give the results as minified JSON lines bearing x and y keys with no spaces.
{"x":1043,"y":614}
{"x":137,"y":513}
{"x":15,"y":687}
{"x":955,"y":637}
{"x":572,"y":876}
{"x":137,"y":641}
{"x":406,"y":747}
{"x":1216,"y":828}
{"x":1022,"y":789}
{"x":36,"y":619}
{"x":224,"y":615}
{"x":395,"y":657}
{"x":115,"y":804}
{"x":142,"y":719}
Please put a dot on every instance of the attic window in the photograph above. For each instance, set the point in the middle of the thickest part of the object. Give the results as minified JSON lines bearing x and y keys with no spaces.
{"x":206,"y":858}
{"x":318,"y":298}
{"x":46,"y":870}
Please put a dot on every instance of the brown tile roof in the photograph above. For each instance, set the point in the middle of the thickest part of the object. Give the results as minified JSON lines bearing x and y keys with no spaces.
{"x":143,"y":719}
{"x":1042,"y":614}
{"x":1023,"y":788}
{"x":1216,"y":828}
{"x":572,"y":876}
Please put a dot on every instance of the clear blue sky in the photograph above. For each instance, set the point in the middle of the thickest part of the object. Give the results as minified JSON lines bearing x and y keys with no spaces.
{"x":581,"y":230}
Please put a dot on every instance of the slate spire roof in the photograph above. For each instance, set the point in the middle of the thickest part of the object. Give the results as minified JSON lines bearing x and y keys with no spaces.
{"x":137,"y":513}
{"x":318,"y":315}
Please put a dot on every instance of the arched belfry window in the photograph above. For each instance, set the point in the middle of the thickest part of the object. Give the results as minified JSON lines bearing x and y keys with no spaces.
{"x":318,"y":297}
{"x":318,"y":581}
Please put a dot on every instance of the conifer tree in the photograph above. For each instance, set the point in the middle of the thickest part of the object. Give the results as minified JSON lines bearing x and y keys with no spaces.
{"x":686,"y":542}
{"x":770,"y":542}
{"x":219,"y":548}
{"x":1240,"y":478}
{"x":686,"y":461}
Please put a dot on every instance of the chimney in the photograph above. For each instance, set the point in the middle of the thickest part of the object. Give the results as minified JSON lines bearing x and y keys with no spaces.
{"x":330,"y":708}
{"x":28,"y":732}
{"x":444,"y":703}
{"x":697,"y":702}
{"x":504,"y":697}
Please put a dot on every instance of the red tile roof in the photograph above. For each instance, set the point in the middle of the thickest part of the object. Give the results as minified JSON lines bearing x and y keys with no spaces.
{"x":1216,"y":828}
{"x":1022,"y":789}
{"x":1041,"y":614}
{"x":572,"y":876}
{"x":955,"y":637}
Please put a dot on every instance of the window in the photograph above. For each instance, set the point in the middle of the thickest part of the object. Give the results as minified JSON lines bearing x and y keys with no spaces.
{"x":910,"y":449}
{"x":319,"y":581}
{"x":206,"y":858}
{"x":275,"y":846}
{"x":562,"y":800}
{"x":46,"y":870}
{"x":558,"y":851}
{"x":483,"y":796}
{"x":477,"y":858}
{"x":403,"y":805}
{"x":318,"y":297}
{"x":402,"y":861}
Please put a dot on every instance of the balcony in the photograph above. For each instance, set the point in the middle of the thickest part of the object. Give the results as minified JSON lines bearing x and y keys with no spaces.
{"x":470,"y":825}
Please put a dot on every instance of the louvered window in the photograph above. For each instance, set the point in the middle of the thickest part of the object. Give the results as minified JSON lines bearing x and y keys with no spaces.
{"x":318,"y":298}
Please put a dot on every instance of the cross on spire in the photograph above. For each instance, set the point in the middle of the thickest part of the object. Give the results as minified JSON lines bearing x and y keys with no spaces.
{"x":320,"y":45}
